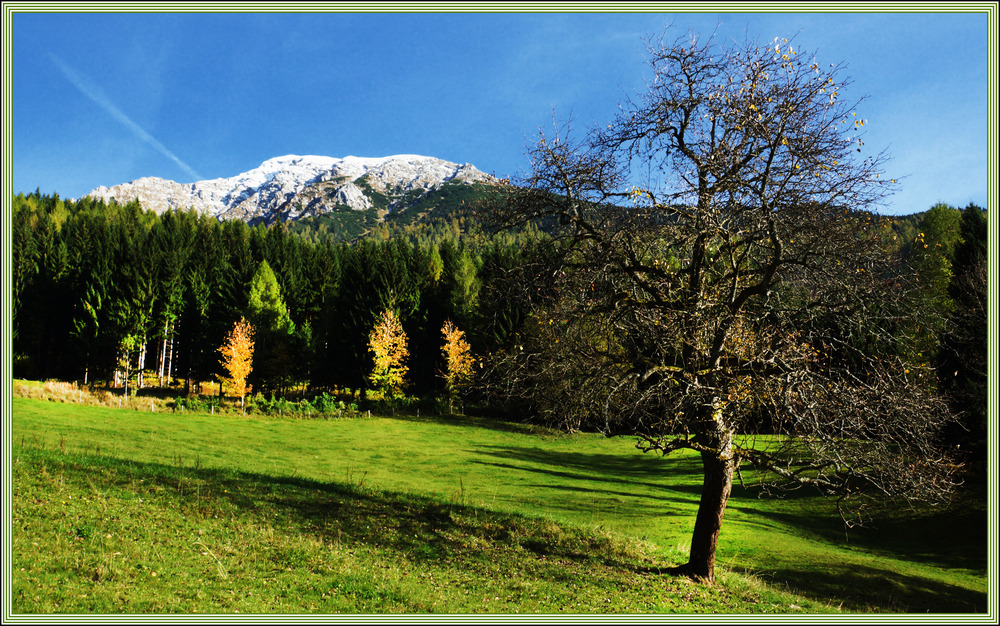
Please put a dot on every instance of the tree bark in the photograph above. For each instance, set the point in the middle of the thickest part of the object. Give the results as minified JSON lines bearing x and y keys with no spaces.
{"x":170,"y":361}
{"x":142,"y":364}
{"x":163,"y":352}
{"x":717,"y":483}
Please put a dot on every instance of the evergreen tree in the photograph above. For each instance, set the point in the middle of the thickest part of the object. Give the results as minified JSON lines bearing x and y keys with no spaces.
{"x":172,"y":239}
{"x":931,"y":256}
{"x":932,"y":251}
{"x":323,"y":283}
{"x":267,"y":312}
{"x":202,"y":322}
{"x":93,"y":277}
{"x":265,"y":305}
{"x":962,"y":359}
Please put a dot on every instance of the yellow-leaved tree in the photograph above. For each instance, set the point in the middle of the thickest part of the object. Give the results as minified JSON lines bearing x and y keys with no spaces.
{"x":458,"y":361}
{"x":237,"y":356}
{"x":387,"y":342}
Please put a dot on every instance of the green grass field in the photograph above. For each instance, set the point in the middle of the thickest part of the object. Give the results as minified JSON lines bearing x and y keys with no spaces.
{"x":135,"y":511}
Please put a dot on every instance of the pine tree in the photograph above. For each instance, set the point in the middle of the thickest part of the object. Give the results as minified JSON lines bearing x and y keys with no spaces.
{"x":962,"y":369}
{"x":267,"y":311}
{"x":265,"y":305}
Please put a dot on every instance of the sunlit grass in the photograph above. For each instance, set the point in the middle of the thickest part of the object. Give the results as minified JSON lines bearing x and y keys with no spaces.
{"x":433,"y":514}
{"x":100,"y":535}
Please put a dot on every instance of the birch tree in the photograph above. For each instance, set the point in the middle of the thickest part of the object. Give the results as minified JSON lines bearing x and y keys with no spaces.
{"x":237,"y":356}
{"x":388,"y":345}
{"x":458,"y":360}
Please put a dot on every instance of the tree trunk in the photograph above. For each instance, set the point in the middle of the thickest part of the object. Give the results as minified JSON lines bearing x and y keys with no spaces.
{"x":717,"y":484}
{"x":170,"y":361}
{"x":142,"y":364}
{"x":718,"y":468}
{"x":163,"y":352}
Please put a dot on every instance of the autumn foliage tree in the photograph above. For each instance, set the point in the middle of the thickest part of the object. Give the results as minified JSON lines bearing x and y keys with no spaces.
{"x":715,"y":265}
{"x":237,"y":356}
{"x":458,"y":361}
{"x":387,"y":343}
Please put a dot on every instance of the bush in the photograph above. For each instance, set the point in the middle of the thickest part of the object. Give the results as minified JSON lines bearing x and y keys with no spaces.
{"x":201,"y":404}
{"x":323,"y":405}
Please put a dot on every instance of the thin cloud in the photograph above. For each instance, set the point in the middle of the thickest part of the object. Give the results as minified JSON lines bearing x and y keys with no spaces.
{"x":93,"y":92}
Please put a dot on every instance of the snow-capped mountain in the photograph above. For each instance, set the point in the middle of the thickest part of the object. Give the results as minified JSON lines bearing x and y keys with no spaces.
{"x":292,"y":187}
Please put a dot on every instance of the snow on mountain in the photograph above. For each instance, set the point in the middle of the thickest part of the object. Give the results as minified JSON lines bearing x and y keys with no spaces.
{"x":295,"y":186}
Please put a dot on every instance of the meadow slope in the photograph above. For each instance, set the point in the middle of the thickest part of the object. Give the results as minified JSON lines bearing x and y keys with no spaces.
{"x":135,"y":511}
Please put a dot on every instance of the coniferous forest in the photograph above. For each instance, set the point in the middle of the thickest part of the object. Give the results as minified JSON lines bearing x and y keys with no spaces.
{"x":117,"y":297}
{"x":110,"y":294}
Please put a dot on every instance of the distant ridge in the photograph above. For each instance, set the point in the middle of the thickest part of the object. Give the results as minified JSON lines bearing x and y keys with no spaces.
{"x":292,"y":187}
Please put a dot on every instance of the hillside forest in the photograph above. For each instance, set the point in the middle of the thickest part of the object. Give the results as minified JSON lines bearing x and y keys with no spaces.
{"x":114,"y":296}
{"x":110,"y":294}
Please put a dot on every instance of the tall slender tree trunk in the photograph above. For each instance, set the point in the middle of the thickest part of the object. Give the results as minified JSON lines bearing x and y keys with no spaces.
{"x":124,"y":371}
{"x":141,"y":365}
{"x":170,"y":360}
{"x":163,"y":352}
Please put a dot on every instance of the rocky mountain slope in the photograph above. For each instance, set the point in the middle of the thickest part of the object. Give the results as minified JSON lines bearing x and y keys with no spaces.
{"x":292,"y":187}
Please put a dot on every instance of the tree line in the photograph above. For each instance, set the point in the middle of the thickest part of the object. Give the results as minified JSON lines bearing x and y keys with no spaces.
{"x":114,"y":294}
{"x":104,"y":291}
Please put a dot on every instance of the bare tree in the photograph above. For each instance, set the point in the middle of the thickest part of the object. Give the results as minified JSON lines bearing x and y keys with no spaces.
{"x":715,"y":273}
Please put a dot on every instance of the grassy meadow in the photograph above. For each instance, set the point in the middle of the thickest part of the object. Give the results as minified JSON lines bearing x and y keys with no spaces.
{"x":138,"y":511}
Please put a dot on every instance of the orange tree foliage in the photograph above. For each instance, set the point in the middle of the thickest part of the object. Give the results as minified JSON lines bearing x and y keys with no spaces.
{"x":237,"y":355}
{"x":458,"y":359}
{"x":387,"y":342}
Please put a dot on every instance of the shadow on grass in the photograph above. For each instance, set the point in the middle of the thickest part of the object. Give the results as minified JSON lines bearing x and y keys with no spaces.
{"x":954,"y":538}
{"x":640,"y":478}
{"x":576,"y":478}
{"x":865,"y":589}
{"x":428,"y":530}
{"x":659,"y":505}
{"x":608,"y":467}
{"x":483,"y":422}
{"x":950,"y":539}
{"x":421,"y":528}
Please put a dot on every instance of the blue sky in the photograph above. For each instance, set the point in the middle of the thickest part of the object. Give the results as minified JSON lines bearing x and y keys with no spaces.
{"x":101,"y":99}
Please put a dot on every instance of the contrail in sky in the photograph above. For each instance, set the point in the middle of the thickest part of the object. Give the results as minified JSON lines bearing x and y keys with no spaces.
{"x":93,"y":92}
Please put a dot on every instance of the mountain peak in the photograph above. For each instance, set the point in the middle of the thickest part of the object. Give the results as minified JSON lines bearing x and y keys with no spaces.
{"x":293,"y":186}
